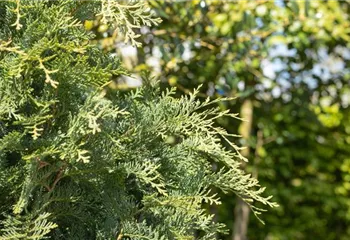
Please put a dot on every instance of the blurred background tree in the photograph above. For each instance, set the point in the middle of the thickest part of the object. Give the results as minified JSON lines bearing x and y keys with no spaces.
{"x":287,"y":62}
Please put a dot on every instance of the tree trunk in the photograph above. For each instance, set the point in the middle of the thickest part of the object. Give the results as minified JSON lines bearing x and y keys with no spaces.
{"x":241,"y":212}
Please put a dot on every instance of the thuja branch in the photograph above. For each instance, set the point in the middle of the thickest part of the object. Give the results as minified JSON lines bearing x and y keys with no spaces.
{"x":17,"y":24}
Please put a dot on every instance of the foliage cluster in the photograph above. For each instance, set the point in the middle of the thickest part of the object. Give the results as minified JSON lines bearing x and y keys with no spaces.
{"x":81,"y":161}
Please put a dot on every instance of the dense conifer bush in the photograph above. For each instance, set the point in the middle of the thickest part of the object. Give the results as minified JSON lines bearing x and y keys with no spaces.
{"x":81,"y":161}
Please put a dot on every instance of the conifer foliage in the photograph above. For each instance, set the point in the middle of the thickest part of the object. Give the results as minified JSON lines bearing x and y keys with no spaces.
{"x":80,"y":161}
